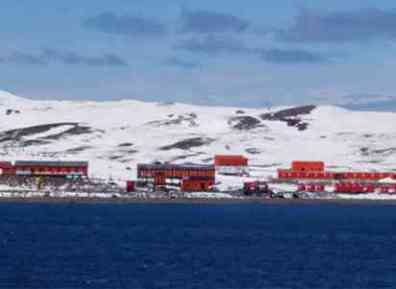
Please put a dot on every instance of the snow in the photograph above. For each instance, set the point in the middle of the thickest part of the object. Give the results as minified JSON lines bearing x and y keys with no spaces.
{"x":9,"y":99}
{"x":387,"y":181}
{"x":8,"y":188}
{"x":371,"y":196}
{"x":334,"y":135}
{"x":205,"y":195}
{"x":283,"y":187}
{"x":50,"y":132}
{"x":19,"y":193}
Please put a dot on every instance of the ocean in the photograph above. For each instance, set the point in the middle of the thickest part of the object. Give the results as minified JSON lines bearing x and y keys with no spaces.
{"x":70,"y":245}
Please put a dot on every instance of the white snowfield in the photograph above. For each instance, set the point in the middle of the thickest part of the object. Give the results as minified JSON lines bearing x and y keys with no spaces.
{"x":205,"y":195}
{"x":115,"y":136}
{"x":371,"y":196}
{"x":387,"y":181}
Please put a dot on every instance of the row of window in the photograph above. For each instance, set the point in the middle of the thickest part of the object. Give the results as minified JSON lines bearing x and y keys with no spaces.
{"x":52,"y":170}
{"x":176,"y":173}
{"x":332,"y":175}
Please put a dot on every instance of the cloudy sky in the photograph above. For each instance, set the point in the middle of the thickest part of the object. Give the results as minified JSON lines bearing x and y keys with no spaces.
{"x":249,"y":53}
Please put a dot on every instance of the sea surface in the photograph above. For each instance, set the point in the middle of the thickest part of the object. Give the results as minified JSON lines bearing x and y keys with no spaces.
{"x":197,"y":246}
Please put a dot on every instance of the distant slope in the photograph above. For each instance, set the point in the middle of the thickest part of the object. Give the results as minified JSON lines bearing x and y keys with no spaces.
{"x":386,"y":105}
{"x":115,"y":136}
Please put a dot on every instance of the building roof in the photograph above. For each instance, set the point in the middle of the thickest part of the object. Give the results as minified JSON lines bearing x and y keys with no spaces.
{"x":6,"y":165}
{"x":52,"y":163}
{"x":230,"y":160}
{"x":175,"y":166}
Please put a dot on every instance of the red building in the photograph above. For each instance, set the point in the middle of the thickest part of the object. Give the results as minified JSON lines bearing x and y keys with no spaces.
{"x":354,"y":188}
{"x":164,"y":175}
{"x":315,"y":170}
{"x":197,"y":184}
{"x":6,"y":168}
{"x":290,"y":174}
{"x":231,"y":164}
{"x":307,"y":166}
{"x":311,"y":188}
{"x":51,"y":168}
{"x":230,"y":160}
{"x":130,"y":186}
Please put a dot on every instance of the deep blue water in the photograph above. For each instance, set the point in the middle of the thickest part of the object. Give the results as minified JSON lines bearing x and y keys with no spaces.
{"x":197,"y":246}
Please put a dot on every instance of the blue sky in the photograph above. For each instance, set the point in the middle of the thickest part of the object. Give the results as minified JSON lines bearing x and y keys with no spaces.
{"x":206,"y":52}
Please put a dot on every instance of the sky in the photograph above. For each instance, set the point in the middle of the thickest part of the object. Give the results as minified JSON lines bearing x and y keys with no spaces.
{"x":240,"y":53}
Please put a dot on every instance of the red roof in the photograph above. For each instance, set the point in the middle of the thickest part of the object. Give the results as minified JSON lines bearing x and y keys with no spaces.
{"x":230,"y":160}
{"x":309,"y":166}
{"x":51,"y":164}
{"x":6,"y":165}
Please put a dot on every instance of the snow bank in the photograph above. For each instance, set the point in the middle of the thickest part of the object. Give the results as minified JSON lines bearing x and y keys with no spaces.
{"x":371,"y":196}
{"x":9,"y":188}
{"x":387,"y":181}
{"x":205,"y":195}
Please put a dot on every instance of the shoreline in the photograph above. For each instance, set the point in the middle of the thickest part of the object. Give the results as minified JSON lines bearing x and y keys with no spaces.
{"x":242,"y":201}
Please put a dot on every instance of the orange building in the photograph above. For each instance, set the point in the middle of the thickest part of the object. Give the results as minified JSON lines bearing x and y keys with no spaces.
{"x":308,"y":166}
{"x":315,"y":170}
{"x":230,"y":160}
{"x":197,"y":184}
{"x":51,"y":168}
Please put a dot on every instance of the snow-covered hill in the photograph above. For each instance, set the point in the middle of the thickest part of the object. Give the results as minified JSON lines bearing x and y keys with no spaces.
{"x":115,"y":136}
